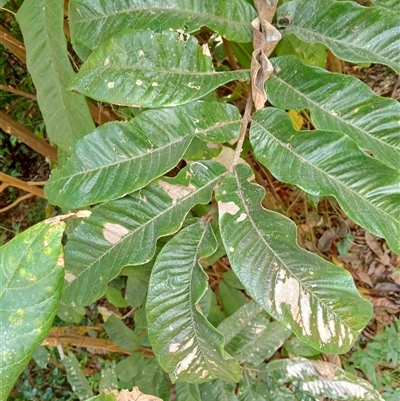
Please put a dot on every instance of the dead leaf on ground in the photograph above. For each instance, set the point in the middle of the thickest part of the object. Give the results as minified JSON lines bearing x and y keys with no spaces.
{"x":376,"y":247}
{"x":134,"y":395}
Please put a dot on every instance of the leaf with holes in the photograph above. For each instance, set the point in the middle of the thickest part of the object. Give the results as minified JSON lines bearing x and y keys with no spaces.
{"x":148,"y":69}
{"x":318,"y":300}
{"x":352,"y":32}
{"x":95,"y":21}
{"x":340,"y":103}
{"x":187,"y":346}
{"x":328,"y":163}
{"x":124,"y":232}
{"x":119,"y":158}
{"x":31,"y":264}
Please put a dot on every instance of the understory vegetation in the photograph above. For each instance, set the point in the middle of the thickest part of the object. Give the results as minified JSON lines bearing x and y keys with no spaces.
{"x":219,"y":217}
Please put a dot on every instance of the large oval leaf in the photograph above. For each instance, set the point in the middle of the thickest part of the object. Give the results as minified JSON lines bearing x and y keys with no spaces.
{"x":321,"y":379}
{"x":95,"y":21}
{"x":125,"y":157}
{"x":66,"y":114}
{"x":147,"y":69}
{"x":353,"y":33}
{"x":328,"y":163}
{"x":341,"y":103}
{"x":316,"y":299}
{"x":124,"y":232}
{"x":30,"y":265}
{"x":186,"y":344}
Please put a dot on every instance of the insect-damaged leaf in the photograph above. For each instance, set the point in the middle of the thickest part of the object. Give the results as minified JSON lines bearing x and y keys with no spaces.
{"x":340,"y":103}
{"x":95,"y":21}
{"x":119,"y":158}
{"x":352,"y":32}
{"x":124,"y":232}
{"x":147,"y":69}
{"x":30,"y":264}
{"x":315,"y":298}
{"x":328,"y":163}
{"x":186,"y":345}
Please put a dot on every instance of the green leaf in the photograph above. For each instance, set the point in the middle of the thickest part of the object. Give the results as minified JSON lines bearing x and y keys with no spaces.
{"x":187,"y":346}
{"x":299,"y":348}
{"x":120,"y":334}
{"x":340,"y":103}
{"x":313,"y":54}
{"x":352,"y":32}
{"x":316,"y":299}
{"x":66,"y":114}
{"x":328,"y":163}
{"x":30,"y":264}
{"x":71,"y":314}
{"x":129,"y":367}
{"x":187,"y":392}
{"x":76,"y":378}
{"x":151,"y":380}
{"x":135,"y":292}
{"x":148,"y":69}
{"x":108,"y":378}
{"x":250,"y":336}
{"x":125,"y":157}
{"x":251,"y":389}
{"x":41,"y":356}
{"x":322,"y":379}
{"x":231,"y":298}
{"x":392,"y":5}
{"x":218,"y":390}
{"x":95,"y":21}
{"x":124,"y":232}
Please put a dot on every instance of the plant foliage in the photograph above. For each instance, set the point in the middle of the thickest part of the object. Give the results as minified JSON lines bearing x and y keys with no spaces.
{"x":163,"y":232}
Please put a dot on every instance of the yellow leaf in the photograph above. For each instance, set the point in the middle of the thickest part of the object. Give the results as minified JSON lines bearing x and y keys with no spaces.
{"x":296,"y":118}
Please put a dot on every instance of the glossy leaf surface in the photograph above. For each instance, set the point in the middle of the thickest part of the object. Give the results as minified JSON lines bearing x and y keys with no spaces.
{"x":339,"y":102}
{"x":187,"y":346}
{"x":125,"y":157}
{"x":125,"y":231}
{"x":66,"y":114}
{"x":352,"y":32}
{"x":250,"y":336}
{"x":315,"y":298}
{"x":322,"y":379}
{"x":30,"y":264}
{"x":328,"y":163}
{"x":93,"y":22}
{"x":148,"y":69}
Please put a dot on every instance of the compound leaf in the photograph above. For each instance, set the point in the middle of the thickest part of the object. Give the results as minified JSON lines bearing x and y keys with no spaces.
{"x":187,"y":346}
{"x":66,"y":114}
{"x":352,"y":32}
{"x":95,"y":21}
{"x":119,"y":158}
{"x":124,"y":232}
{"x":30,"y":264}
{"x":340,"y":103}
{"x":148,"y":69}
{"x":316,"y":299}
{"x":328,"y":163}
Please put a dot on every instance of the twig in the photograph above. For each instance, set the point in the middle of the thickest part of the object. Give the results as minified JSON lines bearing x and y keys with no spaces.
{"x":15,"y":203}
{"x":229,"y":53}
{"x":7,"y":181}
{"x":242,"y":133}
{"x":17,"y":92}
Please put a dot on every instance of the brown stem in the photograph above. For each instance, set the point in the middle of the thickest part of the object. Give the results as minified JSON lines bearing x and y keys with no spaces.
{"x":12,"y":44}
{"x":16,"y":129}
{"x":8,"y":181}
{"x":17,"y":92}
{"x":15,"y":203}
{"x":229,"y":53}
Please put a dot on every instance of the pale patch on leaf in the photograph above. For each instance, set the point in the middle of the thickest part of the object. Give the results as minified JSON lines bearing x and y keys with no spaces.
{"x":134,"y":395}
{"x":69,"y":277}
{"x":62,"y":217}
{"x":60,"y":261}
{"x":242,"y":217}
{"x":113,"y":233}
{"x":227,"y":207}
{"x":176,"y":191}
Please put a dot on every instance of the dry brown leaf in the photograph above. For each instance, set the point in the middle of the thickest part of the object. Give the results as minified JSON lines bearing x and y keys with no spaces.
{"x":375,"y":246}
{"x":384,"y":303}
{"x":134,"y":395}
{"x":265,"y":38}
{"x":326,"y":240}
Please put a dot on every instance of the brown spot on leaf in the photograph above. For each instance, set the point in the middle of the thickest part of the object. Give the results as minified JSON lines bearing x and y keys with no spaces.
{"x":113,"y":233}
